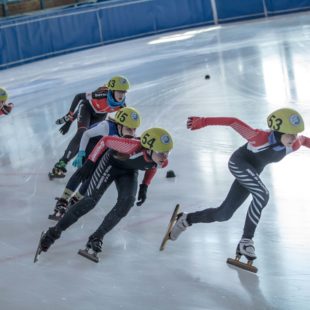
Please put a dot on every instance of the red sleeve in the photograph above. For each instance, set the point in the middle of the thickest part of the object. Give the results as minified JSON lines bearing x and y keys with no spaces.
{"x":301,"y":140}
{"x":242,"y":128}
{"x":122,"y":145}
{"x":97,"y":151}
{"x":148,"y":176}
{"x":7,"y":108}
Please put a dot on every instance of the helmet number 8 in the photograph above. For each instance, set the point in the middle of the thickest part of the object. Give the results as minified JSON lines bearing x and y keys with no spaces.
{"x":149,"y":142}
{"x":275,"y":123}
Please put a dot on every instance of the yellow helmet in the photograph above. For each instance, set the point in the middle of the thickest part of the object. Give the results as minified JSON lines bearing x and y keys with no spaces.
{"x":3,"y":94}
{"x":157,"y":139}
{"x":286,"y":121}
{"x":128,"y":117}
{"x":118,"y":83}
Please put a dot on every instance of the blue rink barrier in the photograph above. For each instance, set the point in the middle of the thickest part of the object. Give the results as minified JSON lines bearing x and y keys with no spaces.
{"x":59,"y":31}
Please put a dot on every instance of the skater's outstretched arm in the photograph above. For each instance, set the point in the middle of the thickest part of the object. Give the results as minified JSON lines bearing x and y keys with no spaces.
{"x":6,"y":108}
{"x":97,"y":151}
{"x":123,"y":145}
{"x":246,"y":131}
{"x":301,"y":140}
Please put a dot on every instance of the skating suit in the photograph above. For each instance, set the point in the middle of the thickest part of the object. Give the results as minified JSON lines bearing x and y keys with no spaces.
{"x":92,"y":108}
{"x":90,"y":139}
{"x":246,"y":164}
{"x":120,"y":168}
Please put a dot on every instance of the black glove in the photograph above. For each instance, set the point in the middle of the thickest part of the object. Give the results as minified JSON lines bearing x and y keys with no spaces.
{"x":65,"y":128}
{"x":69,"y":117}
{"x":142,"y":194}
{"x":86,"y":170}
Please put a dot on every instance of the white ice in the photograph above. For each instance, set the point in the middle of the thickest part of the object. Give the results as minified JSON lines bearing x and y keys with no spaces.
{"x":255,"y":68}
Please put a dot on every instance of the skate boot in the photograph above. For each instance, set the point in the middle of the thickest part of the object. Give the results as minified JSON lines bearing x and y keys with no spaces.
{"x":73,"y":200}
{"x":60,"y":209}
{"x":180,"y":225}
{"x":46,"y":240}
{"x":59,"y":170}
{"x":246,"y":248}
{"x":93,"y":247}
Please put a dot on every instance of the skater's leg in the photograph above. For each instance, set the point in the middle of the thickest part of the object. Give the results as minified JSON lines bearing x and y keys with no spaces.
{"x":102,"y":178}
{"x":84,"y":115}
{"x":127,"y":186}
{"x":234,"y":199}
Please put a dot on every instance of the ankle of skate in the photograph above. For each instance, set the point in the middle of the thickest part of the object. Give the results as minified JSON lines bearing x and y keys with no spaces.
{"x":246,"y":248}
{"x":180,"y":225}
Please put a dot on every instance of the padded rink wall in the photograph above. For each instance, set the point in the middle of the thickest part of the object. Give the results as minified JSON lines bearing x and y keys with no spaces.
{"x":50,"y":33}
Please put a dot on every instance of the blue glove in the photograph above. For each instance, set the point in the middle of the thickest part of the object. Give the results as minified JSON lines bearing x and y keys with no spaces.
{"x":78,"y":162}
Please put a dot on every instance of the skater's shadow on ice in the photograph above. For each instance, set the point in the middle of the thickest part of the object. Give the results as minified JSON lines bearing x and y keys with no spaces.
{"x":250,"y":283}
{"x":219,"y":296}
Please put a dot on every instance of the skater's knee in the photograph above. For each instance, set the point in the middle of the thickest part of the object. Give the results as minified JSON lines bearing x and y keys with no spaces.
{"x":83,"y":206}
{"x":124,"y":205}
{"x":223,"y":216}
{"x":263,"y":197}
{"x":223,"y":213}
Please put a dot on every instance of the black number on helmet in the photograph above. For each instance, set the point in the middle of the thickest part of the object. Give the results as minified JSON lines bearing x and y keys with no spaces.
{"x":274,"y":122}
{"x":122,"y":116}
{"x":149,"y":142}
{"x":111,"y":83}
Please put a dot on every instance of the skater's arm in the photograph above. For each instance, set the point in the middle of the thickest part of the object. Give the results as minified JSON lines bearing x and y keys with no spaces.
{"x":6,"y":108}
{"x":75,"y":102}
{"x":242,"y":128}
{"x":148,"y":176}
{"x":97,"y":151}
{"x":301,"y":140}
{"x":123,"y":145}
{"x":101,"y":129}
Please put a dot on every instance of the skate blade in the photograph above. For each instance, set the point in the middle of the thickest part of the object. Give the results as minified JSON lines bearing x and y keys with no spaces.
{"x":245,"y":266}
{"x":52,"y":176}
{"x":172,"y":220}
{"x":54,"y":217}
{"x":38,"y":251}
{"x":93,"y":257}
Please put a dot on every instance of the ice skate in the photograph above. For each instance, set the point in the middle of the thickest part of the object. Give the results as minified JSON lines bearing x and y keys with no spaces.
{"x":170,"y":225}
{"x":59,"y":170}
{"x":246,"y":248}
{"x":46,"y":240}
{"x":180,"y":225}
{"x":39,"y":250}
{"x":60,"y":209}
{"x":93,"y":247}
{"x":72,"y":201}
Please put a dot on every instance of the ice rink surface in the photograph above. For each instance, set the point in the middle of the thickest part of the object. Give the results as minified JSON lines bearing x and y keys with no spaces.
{"x":255,"y":68}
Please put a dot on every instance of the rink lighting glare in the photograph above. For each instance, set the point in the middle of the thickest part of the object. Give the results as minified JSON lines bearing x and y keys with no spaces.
{"x":181,"y":36}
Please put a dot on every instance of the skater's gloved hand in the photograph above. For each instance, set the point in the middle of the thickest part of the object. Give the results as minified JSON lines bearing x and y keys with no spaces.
{"x":78,"y":161}
{"x":7,"y":108}
{"x":142,"y":194}
{"x":86,"y":170}
{"x":69,"y":117}
{"x":194,"y":122}
{"x":65,"y":128}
